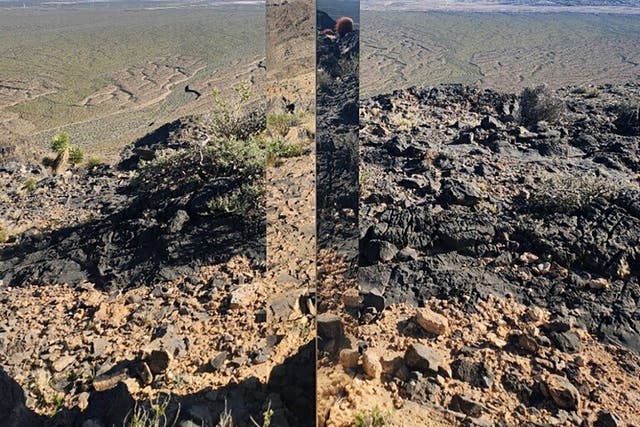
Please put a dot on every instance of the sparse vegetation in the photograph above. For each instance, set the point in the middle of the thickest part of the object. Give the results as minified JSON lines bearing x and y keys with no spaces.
{"x":280,"y":123}
{"x":153,"y":415}
{"x":570,"y":194}
{"x":278,"y":148}
{"x":93,"y":163}
{"x":60,"y":142}
{"x":539,"y":104}
{"x":590,"y":92}
{"x":232,"y":169}
{"x":266,"y":417}
{"x":65,"y":153}
{"x":76,"y":155}
{"x":30,"y":185}
{"x":233,"y":118}
{"x":226,"y":419}
{"x":372,"y":418}
{"x":57,"y":401}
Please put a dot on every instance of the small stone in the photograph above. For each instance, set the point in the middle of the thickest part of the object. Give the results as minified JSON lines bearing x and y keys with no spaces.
{"x":379,"y":250}
{"x":566,"y":341}
{"x":62,"y":362}
{"x":431,"y":322}
{"x":83,"y":400}
{"x":243,"y":296}
{"x":599,"y":284}
{"x":562,"y":392}
{"x":329,"y":326}
{"x":99,"y":346}
{"x":349,"y":358}
{"x":465,"y":138}
{"x":374,"y":299}
{"x":218,"y":360}
{"x":422,"y":358}
{"x":607,"y":419}
{"x":391,"y":362}
{"x":144,"y":373}
{"x":534,"y":314}
{"x":282,"y":307}
{"x":351,"y":298}
{"x":475,"y":373}
{"x":179,"y":220}
{"x":490,"y":123}
{"x":407,"y":254}
{"x":195,"y":416}
{"x":260,"y":358}
{"x":371,"y":364}
{"x":466,"y":405}
{"x":527,"y":343}
{"x":528,"y":257}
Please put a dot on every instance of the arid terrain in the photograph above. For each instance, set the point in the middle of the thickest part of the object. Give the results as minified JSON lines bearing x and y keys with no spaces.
{"x":157,"y":285}
{"x":498,"y":276}
{"x":503,"y":51}
{"x":109,"y":74}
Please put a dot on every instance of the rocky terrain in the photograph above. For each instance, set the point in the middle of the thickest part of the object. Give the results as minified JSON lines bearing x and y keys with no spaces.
{"x":498,"y":262}
{"x":143,"y":288}
{"x":460,"y":199}
{"x":337,"y":138}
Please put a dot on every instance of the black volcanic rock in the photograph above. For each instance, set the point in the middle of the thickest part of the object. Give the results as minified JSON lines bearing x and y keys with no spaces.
{"x":564,"y":192}
{"x":149,"y":221}
{"x":324,"y":21}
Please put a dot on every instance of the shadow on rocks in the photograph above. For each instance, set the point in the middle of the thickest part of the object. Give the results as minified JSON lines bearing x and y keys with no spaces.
{"x":289,"y":395}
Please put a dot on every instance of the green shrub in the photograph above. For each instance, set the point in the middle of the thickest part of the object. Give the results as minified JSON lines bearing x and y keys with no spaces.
{"x":240,"y":163}
{"x":373,"y":418}
{"x":279,"y":124}
{"x":569,"y":194}
{"x":30,"y":184}
{"x":153,"y":415}
{"x":75,"y":155}
{"x":278,"y":148}
{"x":93,"y":163}
{"x":234,"y":118}
{"x":539,"y":104}
{"x":60,"y":142}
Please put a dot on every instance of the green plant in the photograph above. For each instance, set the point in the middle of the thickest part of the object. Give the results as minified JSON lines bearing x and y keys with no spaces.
{"x":539,"y":104}
{"x":372,"y":418}
{"x":233,"y":117}
{"x":280,"y":123}
{"x":57,"y":401}
{"x":93,"y":163}
{"x":30,"y":184}
{"x":278,"y":148}
{"x":232,"y":169}
{"x":75,"y":155}
{"x":570,"y":194}
{"x":226,"y":419}
{"x":266,"y":417}
{"x":593,"y":92}
{"x":60,"y":142}
{"x":153,"y":415}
